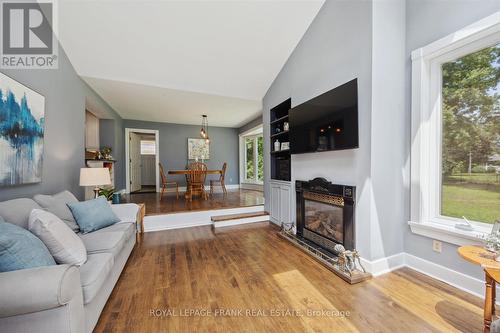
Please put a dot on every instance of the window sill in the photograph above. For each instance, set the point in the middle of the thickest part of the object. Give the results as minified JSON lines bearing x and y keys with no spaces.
{"x":448,"y":233}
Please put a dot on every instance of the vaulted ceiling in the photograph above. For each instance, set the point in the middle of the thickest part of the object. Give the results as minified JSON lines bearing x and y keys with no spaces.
{"x":172,"y":61}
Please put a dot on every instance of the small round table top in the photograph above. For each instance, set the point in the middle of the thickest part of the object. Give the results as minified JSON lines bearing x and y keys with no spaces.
{"x":478,"y":255}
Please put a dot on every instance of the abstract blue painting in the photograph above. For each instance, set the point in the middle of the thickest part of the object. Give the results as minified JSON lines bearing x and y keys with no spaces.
{"x":22,"y":113}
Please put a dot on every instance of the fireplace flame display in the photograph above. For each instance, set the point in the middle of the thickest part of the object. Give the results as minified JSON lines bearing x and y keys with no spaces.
{"x":324,"y":219}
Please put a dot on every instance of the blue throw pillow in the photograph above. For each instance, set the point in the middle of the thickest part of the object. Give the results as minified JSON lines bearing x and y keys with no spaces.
{"x":93,"y":214}
{"x":20,"y":249}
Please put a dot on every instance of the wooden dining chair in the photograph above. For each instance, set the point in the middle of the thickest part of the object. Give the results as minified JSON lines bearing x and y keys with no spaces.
{"x":165,"y":183}
{"x":196,"y":179}
{"x":219,"y":181}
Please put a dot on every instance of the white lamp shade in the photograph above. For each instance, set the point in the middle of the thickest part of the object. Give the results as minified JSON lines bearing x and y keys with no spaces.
{"x":94,"y":177}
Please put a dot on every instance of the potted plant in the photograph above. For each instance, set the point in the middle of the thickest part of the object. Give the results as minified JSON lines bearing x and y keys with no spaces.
{"x":107,"y":192}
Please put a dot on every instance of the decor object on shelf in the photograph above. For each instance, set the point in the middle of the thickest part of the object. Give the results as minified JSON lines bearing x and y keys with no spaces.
{"x":285,"y":145}
{"x":198,"y":149}
{"x":116,"y":198}
{"x":204,"y":128}
{"x":277,"y":145}
{"x":278,"y":130}
{"x":286,"y":126}
{"x":95,"y":177}
{"x":22,"y":120}
{"x":107,"y":192}
{"x":106,"y":153}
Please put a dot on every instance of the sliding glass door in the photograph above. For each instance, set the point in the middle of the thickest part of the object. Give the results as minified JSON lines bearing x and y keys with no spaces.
{"x":254,"y":159}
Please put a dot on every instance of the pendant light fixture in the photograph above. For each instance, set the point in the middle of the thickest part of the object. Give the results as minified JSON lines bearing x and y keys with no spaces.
{"x":204,"y":128}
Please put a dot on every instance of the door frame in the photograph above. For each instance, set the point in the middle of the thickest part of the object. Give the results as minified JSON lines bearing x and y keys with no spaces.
{"x":253,"y":132}
{"x":127,"y":155}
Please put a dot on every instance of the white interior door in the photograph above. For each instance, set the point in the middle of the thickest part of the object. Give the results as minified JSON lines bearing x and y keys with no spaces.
{"x":135,"y":162}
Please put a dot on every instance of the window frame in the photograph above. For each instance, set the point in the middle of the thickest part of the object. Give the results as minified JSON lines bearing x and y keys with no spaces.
{"x":426,"y":128}
{"x":255,"y":179}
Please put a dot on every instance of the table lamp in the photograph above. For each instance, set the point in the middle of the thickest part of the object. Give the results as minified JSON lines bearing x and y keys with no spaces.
{"x":95,"y":177}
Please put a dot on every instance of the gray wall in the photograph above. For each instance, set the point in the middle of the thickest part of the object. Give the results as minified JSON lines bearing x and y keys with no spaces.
{"x":428,"y":21}
{"x":335,"y":49}
{"x":173,"y":146}
{"x":111,"y":134}
{"x":251,"y":124}
{"x":65,"y":99}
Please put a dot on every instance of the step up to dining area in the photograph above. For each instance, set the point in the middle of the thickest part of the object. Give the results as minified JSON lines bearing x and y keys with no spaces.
{"x":242,"y":218}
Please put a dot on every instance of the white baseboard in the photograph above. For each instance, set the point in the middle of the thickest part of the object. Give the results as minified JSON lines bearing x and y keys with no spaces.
{"x":456,"y":279}
{"x":191,"y":219}
{"x":384,"y":265}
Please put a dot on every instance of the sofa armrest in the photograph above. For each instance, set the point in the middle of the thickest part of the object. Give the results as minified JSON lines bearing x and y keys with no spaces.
{"x":36,"y":289}
{"x":126,"y":212}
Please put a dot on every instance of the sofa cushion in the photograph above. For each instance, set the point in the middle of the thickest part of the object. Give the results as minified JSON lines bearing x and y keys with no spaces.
{"x":64,"y":245}
{"x":126,"y":227}
{"x":17,"y":211}
{"x":93,"y":214}
{"x":20,"y":249}
{"x":109,"y":242}
{"x":57,"y":205}
{"x":94,"y":273}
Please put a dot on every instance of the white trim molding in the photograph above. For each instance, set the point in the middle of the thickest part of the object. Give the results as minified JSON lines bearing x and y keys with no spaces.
{"x":448,"y":233}
{"x":456,"y":279}
{"x":425,"y":211}
{"x":384,"y":265}
{"x":127,"y":155}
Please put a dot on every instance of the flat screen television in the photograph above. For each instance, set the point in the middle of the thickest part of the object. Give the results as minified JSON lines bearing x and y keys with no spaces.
{"x":326,"y":122}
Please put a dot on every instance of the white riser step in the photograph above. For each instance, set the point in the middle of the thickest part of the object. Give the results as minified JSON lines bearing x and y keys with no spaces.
{"x":228,"y":223}
{"x":192,"y":219}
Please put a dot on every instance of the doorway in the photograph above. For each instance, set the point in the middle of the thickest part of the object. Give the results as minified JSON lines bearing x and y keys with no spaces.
{"x":252,"y":159}
{"x":142,"y":156}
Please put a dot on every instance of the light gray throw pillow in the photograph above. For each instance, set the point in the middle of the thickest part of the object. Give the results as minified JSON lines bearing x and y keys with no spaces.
{"x":57,"y":205}
{"x":63,"y":243}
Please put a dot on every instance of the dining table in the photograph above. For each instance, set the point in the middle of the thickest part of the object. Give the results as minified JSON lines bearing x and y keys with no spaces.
{"x":186,"y":172}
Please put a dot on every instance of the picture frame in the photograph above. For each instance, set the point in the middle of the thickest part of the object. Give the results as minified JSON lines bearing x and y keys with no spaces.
{"x":198,"y":149}
{"x":285,"y":145}
{"x":21,"y":151}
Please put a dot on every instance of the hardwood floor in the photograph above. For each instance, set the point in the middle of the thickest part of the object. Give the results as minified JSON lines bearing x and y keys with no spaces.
{"x":169,"y":203}
{"x":270,"y":286}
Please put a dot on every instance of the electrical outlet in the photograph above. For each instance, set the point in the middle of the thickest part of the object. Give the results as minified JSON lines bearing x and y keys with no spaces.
{"x":436,"y":246}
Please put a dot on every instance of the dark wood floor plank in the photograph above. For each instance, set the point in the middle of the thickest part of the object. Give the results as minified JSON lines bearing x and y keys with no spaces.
{"x":249,"y":268}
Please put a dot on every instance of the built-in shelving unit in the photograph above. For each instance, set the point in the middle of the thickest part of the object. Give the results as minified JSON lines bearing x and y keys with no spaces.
{"x":280,"y":158}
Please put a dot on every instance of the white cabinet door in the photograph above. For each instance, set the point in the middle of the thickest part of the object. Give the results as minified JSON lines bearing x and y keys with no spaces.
{"x":285,"y":204}
{"x":275,"y":203}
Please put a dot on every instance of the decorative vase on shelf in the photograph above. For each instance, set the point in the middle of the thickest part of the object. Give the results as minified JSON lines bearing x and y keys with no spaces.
{"x":286,"y":126}
{"x":276,"y":145}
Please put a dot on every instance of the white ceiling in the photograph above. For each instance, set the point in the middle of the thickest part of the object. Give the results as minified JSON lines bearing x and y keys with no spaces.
{"x":173,"y":61}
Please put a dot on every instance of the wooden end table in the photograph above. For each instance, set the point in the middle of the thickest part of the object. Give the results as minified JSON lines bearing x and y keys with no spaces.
{"x":140,"y":218}
{"x":480,"y":256}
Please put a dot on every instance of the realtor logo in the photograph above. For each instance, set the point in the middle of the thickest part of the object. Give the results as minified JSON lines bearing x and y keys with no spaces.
{"x":28,"y":40}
